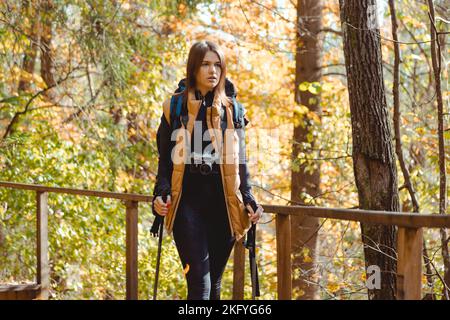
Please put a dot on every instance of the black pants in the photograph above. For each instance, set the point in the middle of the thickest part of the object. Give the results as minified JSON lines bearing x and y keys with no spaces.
{"x":202,"y":234}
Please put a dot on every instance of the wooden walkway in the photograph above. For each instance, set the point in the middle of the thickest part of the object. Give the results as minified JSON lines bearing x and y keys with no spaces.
{"x":409,"y":246}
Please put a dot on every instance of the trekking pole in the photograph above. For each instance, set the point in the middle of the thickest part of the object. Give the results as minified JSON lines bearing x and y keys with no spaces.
{"x":253,"y":265}
{"x":251,"y":246}
{"x":159,"y":222}
{"x":158,"y":258}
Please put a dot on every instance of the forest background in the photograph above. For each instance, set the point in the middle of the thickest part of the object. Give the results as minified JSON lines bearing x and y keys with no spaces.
{"x":81,"y":91}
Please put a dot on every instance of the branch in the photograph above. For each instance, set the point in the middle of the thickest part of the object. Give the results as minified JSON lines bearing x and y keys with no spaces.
{"x":330,"y":30}
{"x":330,"y":74}
{"x":421,"y":50}
{"x":16,"y":116}
{"x":387,"y":39}
{"x":396,"y":94}
{"x":332,"y":65}
{"x":91,"y":101}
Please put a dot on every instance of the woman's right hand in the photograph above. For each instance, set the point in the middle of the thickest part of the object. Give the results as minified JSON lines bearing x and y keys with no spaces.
{"x":162,"y":208}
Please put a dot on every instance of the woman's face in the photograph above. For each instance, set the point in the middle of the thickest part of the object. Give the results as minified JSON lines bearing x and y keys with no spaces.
{"x":208,"y":74}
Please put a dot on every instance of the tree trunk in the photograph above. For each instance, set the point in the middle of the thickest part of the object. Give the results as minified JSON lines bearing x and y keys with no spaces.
{"x":373,"y":154}
{"x":46,"y":41}
{"x":30,"y":10}
{"x":304,"y":229}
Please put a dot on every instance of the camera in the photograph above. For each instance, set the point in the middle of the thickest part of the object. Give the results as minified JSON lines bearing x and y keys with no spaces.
{"x":202,"y":162}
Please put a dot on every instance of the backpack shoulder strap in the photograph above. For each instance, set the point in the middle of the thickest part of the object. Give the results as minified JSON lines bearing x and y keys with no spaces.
{"x":238,"y":113}
{"x":176,"y":103}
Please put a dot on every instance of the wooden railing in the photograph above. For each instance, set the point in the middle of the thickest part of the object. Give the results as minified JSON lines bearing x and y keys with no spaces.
{"x":409,"y":246}
{"x":131,"y":205}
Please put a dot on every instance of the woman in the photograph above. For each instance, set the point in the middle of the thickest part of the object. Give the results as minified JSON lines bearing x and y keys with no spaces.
{"x":206,"y":195}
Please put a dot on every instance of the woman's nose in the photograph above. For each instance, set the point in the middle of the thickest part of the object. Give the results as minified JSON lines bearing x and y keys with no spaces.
{"x":212,"y":69}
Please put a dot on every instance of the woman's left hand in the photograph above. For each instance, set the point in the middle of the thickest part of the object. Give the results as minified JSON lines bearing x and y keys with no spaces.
{"x":255,"y":216}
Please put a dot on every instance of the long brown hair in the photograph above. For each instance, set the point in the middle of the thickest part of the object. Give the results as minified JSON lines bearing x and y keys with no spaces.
{"x":195,"y":59}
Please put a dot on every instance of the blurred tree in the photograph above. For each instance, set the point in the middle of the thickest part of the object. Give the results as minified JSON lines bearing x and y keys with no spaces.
{"x":305,"y":178}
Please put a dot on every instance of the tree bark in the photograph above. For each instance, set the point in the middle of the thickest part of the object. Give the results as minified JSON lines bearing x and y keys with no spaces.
{"x":373,"y":154}
{"x":304,"y":229}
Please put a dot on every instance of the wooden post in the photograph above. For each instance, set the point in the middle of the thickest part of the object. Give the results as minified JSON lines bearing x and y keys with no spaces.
{"x":409,"y":264}
{"x":43,"y":270}
{"x":238,"y":271}
{"x":132,"y":249}
{"x":283,"y":230}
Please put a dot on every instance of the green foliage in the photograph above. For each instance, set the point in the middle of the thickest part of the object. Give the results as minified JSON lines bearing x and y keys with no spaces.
{"x":97,"y":130}
{"x":312,"y":87}
{"x":109,"y":146}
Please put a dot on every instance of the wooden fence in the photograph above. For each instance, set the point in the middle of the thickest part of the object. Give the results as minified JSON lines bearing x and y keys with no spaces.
{"x":409,"y":246}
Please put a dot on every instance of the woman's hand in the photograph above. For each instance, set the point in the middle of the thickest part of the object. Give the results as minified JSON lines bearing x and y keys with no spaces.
{"x":162,"y":208}
{"x":255,"y":216}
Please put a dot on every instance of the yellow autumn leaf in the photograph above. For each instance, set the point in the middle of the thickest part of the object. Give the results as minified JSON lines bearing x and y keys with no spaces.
{"x":39,"y":81}
{"x":313,"y":116}
{"x":333,"y":287}
{"x":301,"y":109}
{"x":102,"y":133}
{"x":132,"y":132}
{"x":26,"y":76}
{"x":424,"y":279}
{"x":363,"y":276}
{"x":420,"y":130}
{"x":15,"y":70}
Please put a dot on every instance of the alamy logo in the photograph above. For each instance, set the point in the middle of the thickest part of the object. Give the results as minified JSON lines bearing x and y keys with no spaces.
{"x":253,"y":146}
{"x":215,"y":150}
{"x":373,"y":277}
{"x":375,"y":14}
